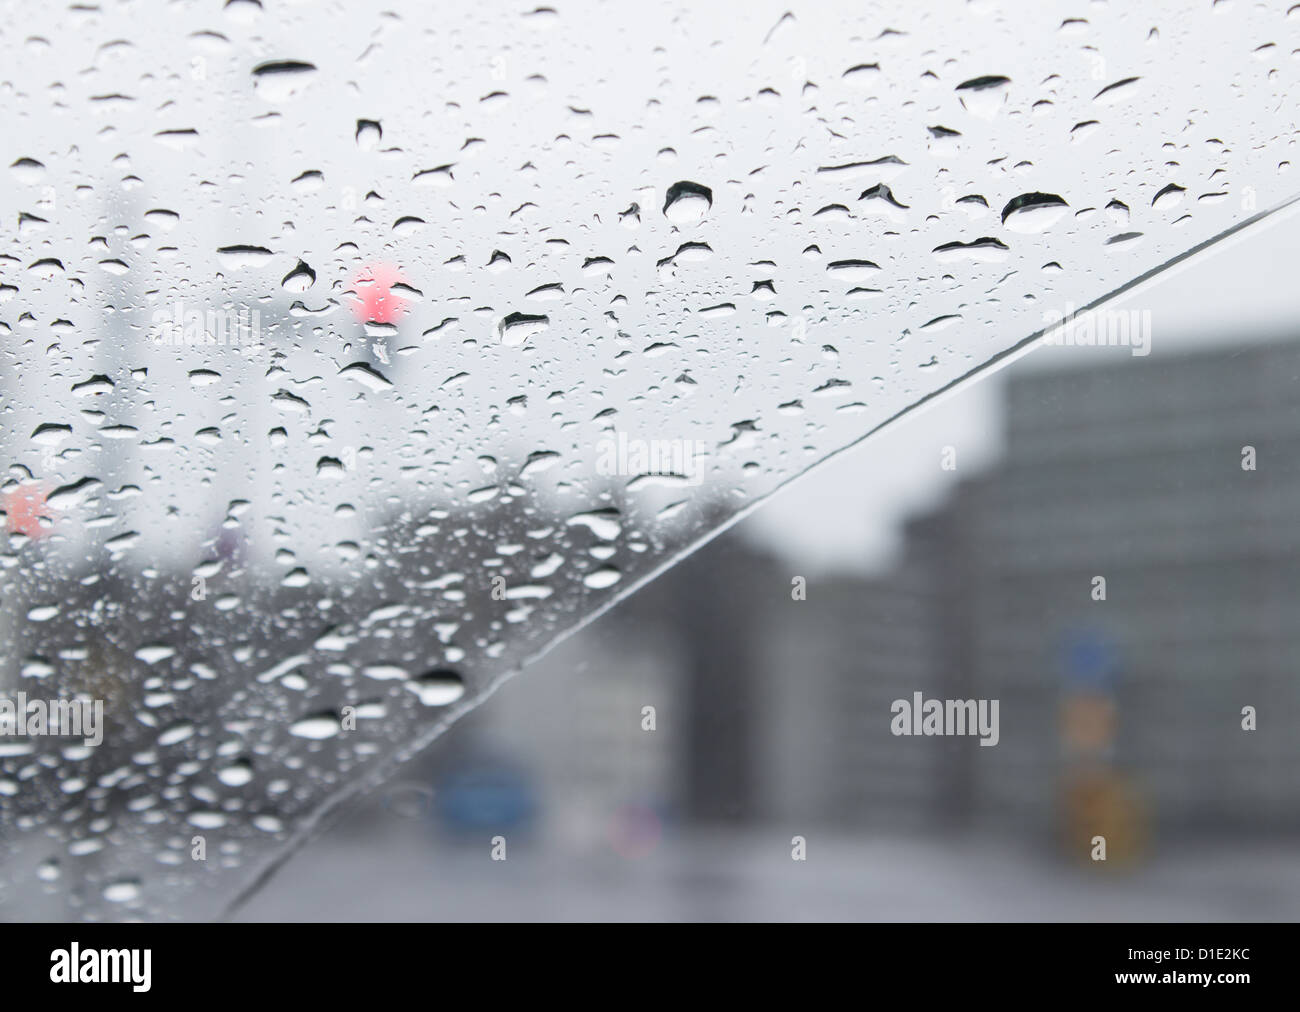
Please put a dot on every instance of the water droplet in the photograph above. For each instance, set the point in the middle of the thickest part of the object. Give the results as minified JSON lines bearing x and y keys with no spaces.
{"x":605,"y":576}
{"x":367,"y":375}
{"x":122,"y":891}
{"x":51,"y":434}
{"x":1169,"y":196}
{"x":983,"y":96}
{"x":278,"y":80}
{"x":687,"y":202}
{"x":28,"y":170}
{"x":369,"y":133}
{"x":982,"y":250}
{"x":1117,"y":92}
{"x":299,"y":279}
{"x":237,"y":774}
{"x":438,"y":687}
{"x":237,"y":257}
{"x":152,"y":653}
{"x":317,"y":726}
{"x":1033,"y":212}
{"x":517,"y":328}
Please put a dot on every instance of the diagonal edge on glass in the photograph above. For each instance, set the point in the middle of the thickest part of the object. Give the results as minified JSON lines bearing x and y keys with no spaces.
{"x":334,"y":805}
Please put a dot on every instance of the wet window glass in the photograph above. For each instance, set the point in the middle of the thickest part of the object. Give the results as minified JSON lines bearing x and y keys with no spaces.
{"x":353,"y":356}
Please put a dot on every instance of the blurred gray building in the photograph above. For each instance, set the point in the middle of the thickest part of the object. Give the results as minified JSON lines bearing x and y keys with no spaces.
{"x":1132,"y":471}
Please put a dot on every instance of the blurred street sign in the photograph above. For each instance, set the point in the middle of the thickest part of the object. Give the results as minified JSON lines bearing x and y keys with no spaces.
{"x":1089,"y":661}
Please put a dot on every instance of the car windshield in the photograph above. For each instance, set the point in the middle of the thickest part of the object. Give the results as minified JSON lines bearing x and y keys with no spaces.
{"x":356,"y":355}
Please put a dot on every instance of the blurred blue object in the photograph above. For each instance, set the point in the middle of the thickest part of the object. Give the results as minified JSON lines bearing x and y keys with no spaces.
{"x":1090,"y":661}
{"x":486,"y":794}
